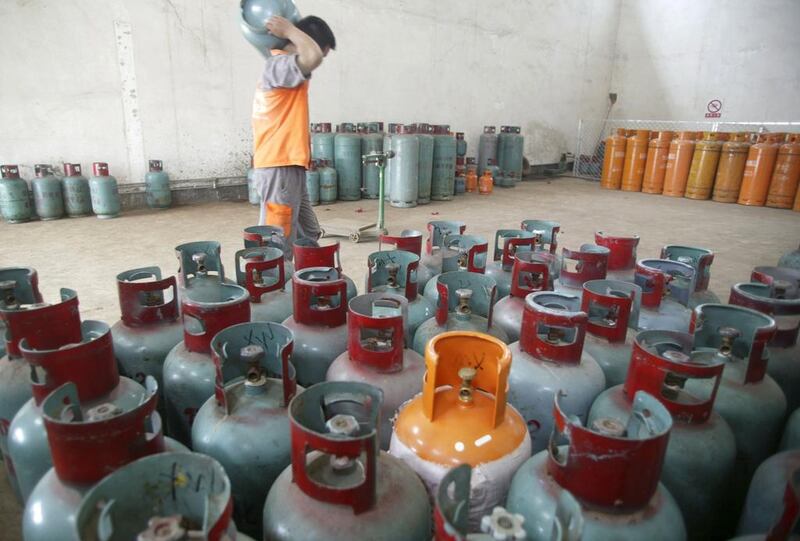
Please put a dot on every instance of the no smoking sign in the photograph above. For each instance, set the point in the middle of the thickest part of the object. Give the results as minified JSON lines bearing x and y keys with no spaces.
{"x":713,"y":109}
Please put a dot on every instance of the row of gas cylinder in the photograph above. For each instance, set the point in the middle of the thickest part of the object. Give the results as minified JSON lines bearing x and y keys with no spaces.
{"x":745,"y":168}
{"x":423,"y":169}
{"x":73,"y":195}
{"x":503,"y":151}
{"x":317,"y":413}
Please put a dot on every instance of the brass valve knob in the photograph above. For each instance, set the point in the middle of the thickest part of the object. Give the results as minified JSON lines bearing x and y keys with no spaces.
{"x":392,"y":269}
{"x":200,"y":260}
{"x":728,"y":336}
{"x":253,"y":354}
{"x":467,"y":374}
{"x":464,"y":296}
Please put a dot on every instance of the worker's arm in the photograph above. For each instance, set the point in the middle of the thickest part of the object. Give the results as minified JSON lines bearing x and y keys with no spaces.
{"x":309,"y":55}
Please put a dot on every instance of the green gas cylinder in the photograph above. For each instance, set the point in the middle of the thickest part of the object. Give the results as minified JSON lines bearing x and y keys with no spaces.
{"x":425,"y":163}
{"x":328,"y":183}
{"x":502,"y":139}
{"x":404,"y":166}
{"x":77,"y":199}
{"x":312,"y":183}
{"x":513,"y":155}
{"x":347,"y":161}
{"x":105,"y":194}
{"x":14,"y":203}
{"x":388,"y":144}
{"x":157,"y":191}
{"x":444,"y":164}
{"x":461,"y":145}
{"x":253,"y":16}
{"x":371,"y":141}
{"x":47,"y":195}
{"x":322,"y":139}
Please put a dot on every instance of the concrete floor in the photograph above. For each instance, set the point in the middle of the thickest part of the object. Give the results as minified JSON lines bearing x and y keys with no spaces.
{"x":85,"y":254}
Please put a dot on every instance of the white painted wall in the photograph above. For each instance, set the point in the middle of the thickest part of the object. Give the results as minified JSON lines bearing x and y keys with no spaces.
{"x":71,"y":93}
{"x":674,"y":56}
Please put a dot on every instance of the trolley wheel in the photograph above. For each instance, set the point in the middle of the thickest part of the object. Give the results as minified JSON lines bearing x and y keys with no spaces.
{"x":355,"y":237}
{"x":321,"y":233}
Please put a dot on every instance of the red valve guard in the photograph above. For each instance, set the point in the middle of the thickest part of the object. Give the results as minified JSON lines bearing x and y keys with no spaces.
{"x":622,"y":254}
{"x":89,"y":364}
{"x":256,"y":260}
{"x":287,"y":374}
{"x":648,"y":370}
{"x":317,"y":256}
{"x":622,"y":305}
{"x":592,"y":265}
{"x":606,"y":471}
{"x":522,"y":268}
{"x":383,"y":361}
{"x":46,"y":327}
{"x":85,"y":452}
{"x":214,"y":317}
{"x":304,"y":290}
{"x":757,"y":337}
{"x":787,"y":327}
{"x":411,"y":243}
{"x":136,"y":314}
{"x":536,"y":314}
{"x":361,"y":497}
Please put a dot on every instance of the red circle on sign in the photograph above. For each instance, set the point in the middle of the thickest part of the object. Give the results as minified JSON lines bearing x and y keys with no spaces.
{"x":714,"y":106}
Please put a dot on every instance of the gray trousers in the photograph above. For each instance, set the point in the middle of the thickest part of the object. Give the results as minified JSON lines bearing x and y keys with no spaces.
{"x":284,"y":202}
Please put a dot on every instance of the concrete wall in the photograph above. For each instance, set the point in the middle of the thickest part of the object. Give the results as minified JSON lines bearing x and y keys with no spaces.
{"x":124,"y":81}
{"x":674,"y":56}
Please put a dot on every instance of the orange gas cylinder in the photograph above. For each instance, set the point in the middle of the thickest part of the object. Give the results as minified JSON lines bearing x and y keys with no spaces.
{"x":732,"y":159}
{"x":786,"y":176}
{"x":471,"y":180}
{"x":679,"y":160}
{"x":613,"y":160}
{"x":758,"y":170}
{"x":485,"y":183}
{"x":656,"y":165}
{"x":461,"y":417}
{"x":704,"y":166}
{"x":635,"y":160}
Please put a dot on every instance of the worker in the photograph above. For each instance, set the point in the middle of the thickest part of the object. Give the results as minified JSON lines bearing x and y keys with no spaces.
{"x":281,"y":139}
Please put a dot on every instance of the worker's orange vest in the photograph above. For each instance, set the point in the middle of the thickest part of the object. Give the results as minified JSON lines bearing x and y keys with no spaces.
{"x":280,"y":126}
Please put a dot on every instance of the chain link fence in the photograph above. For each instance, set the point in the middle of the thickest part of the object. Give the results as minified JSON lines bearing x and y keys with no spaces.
{"x":592,"y":134}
